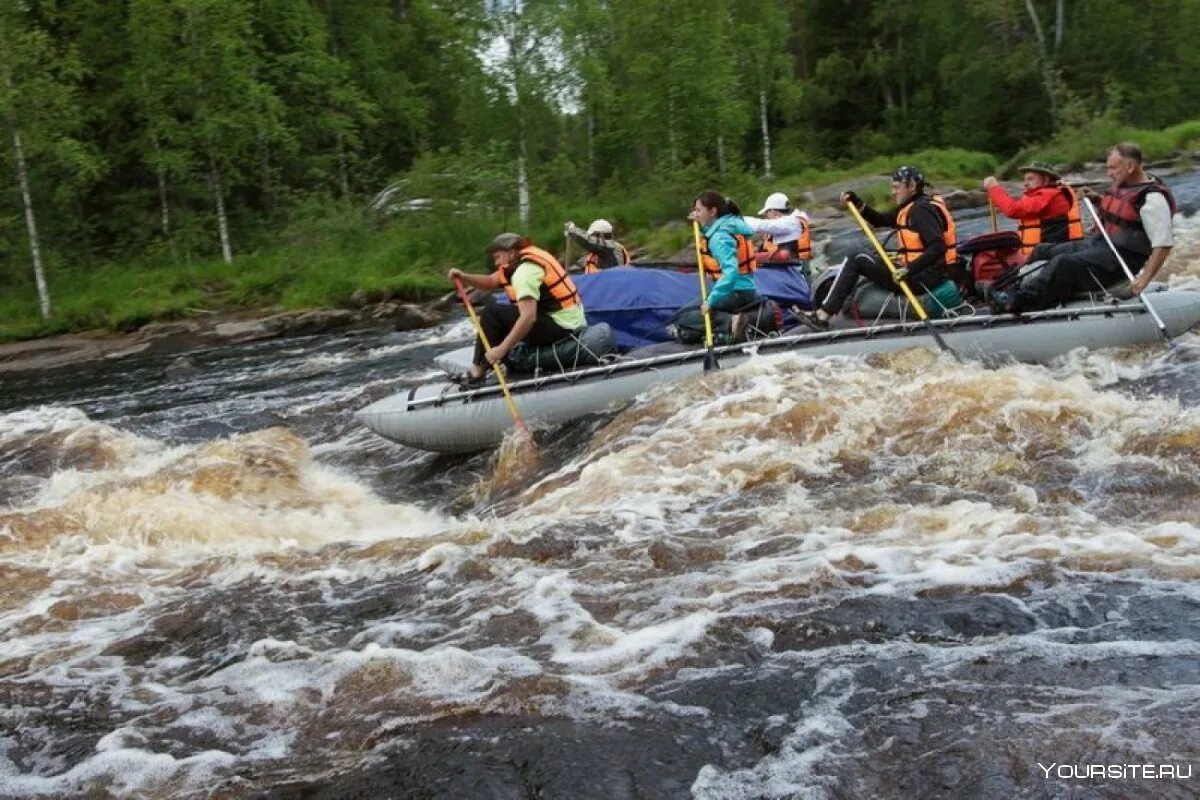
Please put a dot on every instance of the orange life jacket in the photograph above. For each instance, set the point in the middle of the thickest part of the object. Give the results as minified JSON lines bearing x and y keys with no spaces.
{"x":910,"y":241}
{"x":800,"y":248}
{"x":747,"y":263}
{"x":1055,"y":229}
{"x":1120,"y":210}
{"x":558,"y":290}
{"x":591,"y":264}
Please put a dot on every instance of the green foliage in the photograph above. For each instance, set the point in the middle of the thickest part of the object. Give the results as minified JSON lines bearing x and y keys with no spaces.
{"x":1091,"y":142}
{"x":140,"y":117}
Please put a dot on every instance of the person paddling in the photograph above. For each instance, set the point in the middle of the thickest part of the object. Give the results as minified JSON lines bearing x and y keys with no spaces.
{"x":727,"y":255}
{"x":603,"y":250}
{"x":545,"y":305}
{"x":1048,"y":210}
{"x":926,"y":233}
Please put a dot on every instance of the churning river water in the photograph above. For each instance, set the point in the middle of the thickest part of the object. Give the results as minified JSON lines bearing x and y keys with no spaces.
{"x":873,"y":577}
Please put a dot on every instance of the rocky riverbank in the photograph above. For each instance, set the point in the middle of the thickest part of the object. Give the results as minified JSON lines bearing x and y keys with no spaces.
{"x":210,"y":330}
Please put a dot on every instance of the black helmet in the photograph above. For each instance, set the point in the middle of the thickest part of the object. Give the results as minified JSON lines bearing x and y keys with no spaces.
{"x":906,"y":173}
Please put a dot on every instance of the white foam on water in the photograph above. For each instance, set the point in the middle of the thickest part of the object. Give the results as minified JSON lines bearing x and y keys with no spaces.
{"x":124,"y":771}
{"x":282,"y":681}
{"x":254,"y":493}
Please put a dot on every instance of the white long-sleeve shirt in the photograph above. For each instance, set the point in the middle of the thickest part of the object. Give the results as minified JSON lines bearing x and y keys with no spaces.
{"x":782,"y":230}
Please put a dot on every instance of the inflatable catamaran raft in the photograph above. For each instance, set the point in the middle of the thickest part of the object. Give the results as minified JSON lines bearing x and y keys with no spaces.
{"x":445,"y":418}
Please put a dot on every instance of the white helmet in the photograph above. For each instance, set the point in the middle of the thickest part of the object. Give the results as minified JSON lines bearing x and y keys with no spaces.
{"x":776,"y":202}
{"x":600,"y":226}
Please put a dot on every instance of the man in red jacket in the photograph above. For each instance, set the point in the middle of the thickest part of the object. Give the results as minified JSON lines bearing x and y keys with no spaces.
{"x":1048,"y":211}
{"x":1136,"y":212}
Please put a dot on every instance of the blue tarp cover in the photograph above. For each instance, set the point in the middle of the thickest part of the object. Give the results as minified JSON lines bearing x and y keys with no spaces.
{"x":638,"y":303}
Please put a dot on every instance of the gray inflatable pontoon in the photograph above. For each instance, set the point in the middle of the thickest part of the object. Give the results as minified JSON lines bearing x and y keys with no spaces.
{"x":444,"y":418}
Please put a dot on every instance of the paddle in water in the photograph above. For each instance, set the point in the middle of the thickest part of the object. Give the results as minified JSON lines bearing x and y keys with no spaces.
{"x":710,"y":357}
{"x":912,"y":300}
{"x":521,"y":449}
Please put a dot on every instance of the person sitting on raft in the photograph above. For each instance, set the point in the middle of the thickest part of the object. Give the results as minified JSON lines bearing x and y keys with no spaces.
{"x":1136,"y":211}
{"x":545,"y":305}
{"x":926,"y":247}
{"x":603,"y":251}
{"x":785,"y":233}
{"x":727,"y":253}
{"x":1047,"y":211}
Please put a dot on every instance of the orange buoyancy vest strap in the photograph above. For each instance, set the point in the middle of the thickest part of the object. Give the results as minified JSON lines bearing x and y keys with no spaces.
{"x":558,"y":290}
{"x":804,"y":243}
{"x":1074,"y":216}
{"x":1067,"y":228}
{"x":747,"y":263}
{"x":911,"y":246}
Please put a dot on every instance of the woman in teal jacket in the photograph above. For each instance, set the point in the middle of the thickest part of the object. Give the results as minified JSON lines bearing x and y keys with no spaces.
{"x":729,"y":259}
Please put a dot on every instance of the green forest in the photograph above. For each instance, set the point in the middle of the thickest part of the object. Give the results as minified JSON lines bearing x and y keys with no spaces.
{"x":166,"y":156}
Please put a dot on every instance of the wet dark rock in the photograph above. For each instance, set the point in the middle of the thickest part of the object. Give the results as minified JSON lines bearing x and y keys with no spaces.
{"x":501,"y":757}
{"x":245,"y":330}
{"x":544,"y":547}
{"x":406,"y":316}
{"x":666,"y":556}
{"x":882,"y":618}
{"x":182,"y":366}
{"x":233,"y":617}
{"x":515,"y":627}
{"x":310,"y":322}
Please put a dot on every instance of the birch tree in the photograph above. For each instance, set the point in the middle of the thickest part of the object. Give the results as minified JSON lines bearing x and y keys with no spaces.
{"x":40,"y":115}
{"x":524,"y":58}
{"x":205,"y":103}
{"x":765,"y":24}
{"x":1046,"y":53}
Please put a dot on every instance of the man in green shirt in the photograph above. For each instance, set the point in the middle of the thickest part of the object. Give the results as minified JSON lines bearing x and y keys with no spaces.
{"x":545,"y":305}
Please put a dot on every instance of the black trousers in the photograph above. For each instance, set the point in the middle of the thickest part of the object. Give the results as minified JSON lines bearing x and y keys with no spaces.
{"x":721,"y":311}
{"x":863,"y":265}
{"x":497,"y":320}
{"x":1071,"y":268}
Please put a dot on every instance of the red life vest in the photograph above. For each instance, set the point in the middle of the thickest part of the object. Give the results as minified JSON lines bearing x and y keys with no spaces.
{"x":747,"y":263}
{"x":1120,"y":210}
{"x":557,"y":291}
{"x":1066,"y":228}
{"x":591,"y":264}
{"x":911,"y":247}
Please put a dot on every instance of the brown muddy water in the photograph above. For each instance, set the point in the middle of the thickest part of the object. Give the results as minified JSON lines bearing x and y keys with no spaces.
{"x":881,"y":577}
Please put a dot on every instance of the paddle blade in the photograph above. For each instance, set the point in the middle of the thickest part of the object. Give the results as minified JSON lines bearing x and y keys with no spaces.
{"x":516,"y":460}
{"x":941,"y":343}
{"x":710,"y":361}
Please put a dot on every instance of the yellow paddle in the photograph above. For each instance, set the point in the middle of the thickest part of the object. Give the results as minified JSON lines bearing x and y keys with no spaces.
{"x":710,"y":358}
{"x":512,"y":407}
{"x":887,"y":262}
{"x":992,"y":214}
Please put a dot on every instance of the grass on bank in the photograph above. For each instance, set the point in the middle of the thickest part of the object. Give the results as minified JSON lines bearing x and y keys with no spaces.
{"x":327,"y":252}
{"x":1077,"y":146}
